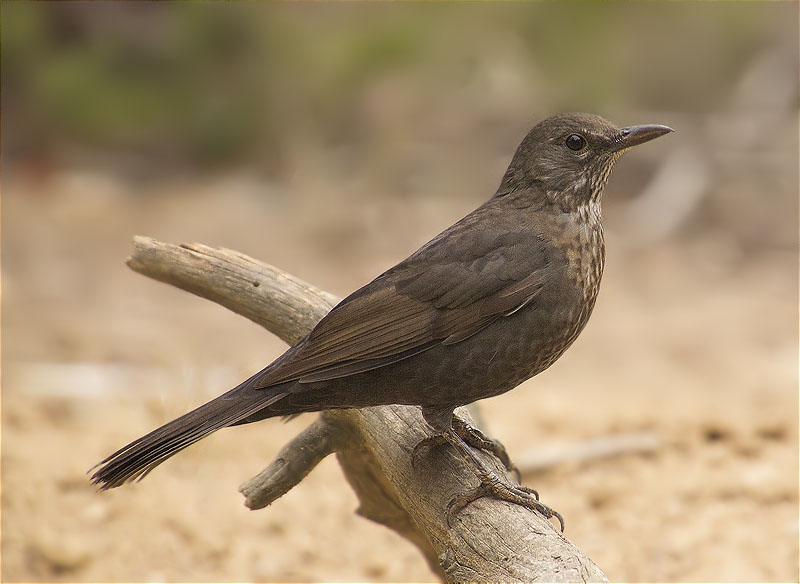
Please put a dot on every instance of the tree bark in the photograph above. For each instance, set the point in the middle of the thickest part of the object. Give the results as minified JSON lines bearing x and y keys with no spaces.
{"x":488,"y":541}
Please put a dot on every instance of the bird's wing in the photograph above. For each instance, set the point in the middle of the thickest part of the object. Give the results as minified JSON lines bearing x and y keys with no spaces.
{"x":447,"y":291}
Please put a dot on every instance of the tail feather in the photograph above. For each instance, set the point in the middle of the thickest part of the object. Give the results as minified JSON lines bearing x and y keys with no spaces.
{"x":137,"y":459}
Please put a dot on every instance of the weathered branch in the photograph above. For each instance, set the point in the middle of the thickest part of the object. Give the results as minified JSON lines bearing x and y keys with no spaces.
{"x":293,"y":463}
{"x":489,"y":540}
{"x":279,"y":302}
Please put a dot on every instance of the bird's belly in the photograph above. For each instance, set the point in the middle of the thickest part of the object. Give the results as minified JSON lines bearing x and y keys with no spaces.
{"x":515,"y":350}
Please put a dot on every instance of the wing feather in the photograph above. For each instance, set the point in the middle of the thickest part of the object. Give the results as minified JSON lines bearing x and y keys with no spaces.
{"x":450,"y":289}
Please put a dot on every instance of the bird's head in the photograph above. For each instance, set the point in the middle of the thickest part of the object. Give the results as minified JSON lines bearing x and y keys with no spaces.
{"x":569,"y":157}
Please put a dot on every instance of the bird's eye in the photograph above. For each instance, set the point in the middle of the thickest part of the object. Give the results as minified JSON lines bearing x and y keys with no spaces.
{"x":576,"y":142}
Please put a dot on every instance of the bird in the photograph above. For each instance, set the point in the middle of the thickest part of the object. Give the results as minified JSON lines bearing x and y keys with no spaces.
{"x":488,"y":303}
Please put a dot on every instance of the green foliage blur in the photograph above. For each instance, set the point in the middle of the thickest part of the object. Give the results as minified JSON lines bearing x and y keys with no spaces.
{"x":210,"y":85}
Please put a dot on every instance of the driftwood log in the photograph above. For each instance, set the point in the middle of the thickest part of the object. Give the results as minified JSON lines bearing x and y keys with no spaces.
{"x":488,"y":541}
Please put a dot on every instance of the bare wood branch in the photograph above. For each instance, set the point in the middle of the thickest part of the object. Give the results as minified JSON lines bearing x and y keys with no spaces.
{"x":489,"y":540}
{"x":279,"y":302}
{"x":293,"y":463}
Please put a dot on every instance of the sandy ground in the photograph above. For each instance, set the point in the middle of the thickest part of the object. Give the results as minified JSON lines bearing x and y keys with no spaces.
{"x":689,"y":344}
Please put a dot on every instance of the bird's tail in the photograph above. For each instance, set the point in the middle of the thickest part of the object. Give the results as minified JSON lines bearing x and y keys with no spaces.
{"x":138,"y":458}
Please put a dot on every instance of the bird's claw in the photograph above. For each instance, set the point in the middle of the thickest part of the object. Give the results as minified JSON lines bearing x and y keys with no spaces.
{"x":474,"y":438}
{"x":528,"y":490}
{"x":493,"y":487}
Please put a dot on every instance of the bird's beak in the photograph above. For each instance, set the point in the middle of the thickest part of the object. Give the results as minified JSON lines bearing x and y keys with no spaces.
{"x":635,"y":135}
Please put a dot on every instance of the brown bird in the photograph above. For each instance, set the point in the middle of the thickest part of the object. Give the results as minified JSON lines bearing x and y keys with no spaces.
{"x":483,"y":306}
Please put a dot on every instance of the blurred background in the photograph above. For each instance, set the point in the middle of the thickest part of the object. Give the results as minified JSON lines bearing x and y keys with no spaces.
{"x":332,"y":141}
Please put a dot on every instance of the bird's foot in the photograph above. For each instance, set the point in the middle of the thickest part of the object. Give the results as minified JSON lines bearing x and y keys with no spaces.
{"x":464,"y":438}
{"x":492,"y":486}
{"x":472,"y":436}
{"x":477,"y":439}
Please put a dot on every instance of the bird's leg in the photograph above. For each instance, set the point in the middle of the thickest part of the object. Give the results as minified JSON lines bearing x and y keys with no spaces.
{"x":472,"y":436}
{"x":492,"y":486}
{"x":450,"y":429}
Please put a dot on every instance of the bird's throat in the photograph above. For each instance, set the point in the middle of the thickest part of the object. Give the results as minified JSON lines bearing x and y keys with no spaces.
{"x":587,"y":253}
